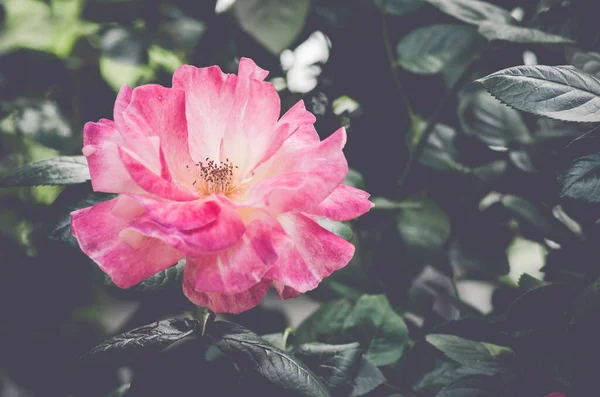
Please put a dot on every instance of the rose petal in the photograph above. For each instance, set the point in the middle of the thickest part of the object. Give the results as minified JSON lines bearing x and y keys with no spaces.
{"x":209,"y":94}
{"x":241,"y":266}
{"x":126,"y":256}
{"x":284,"y":291}
{"x":153,"y":183}
{"x":308,"y":254}
{"x":184,"y":215}
{"x":293,"y":120}
{"x":223,"y":303}
{"x":156,"y":111}
{"x":303,"y":177}
{"x":343,"y":204}
{"x":222,"y":233}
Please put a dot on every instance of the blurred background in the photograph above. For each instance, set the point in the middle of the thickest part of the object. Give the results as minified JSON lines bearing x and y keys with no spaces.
{"x":452,"y":239}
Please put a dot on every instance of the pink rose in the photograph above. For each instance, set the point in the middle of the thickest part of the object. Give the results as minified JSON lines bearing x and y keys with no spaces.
{"x":208,"y":171}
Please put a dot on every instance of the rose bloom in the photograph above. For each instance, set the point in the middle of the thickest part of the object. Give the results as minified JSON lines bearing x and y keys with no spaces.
{"x":208,"y":171}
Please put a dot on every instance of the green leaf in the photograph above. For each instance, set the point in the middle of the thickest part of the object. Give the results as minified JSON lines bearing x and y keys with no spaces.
{"x":371,"y":321}
{"x":486,"y":118}
{"x":472,"y":11}
{"x":399,"y":7}
{"x":440,"y":152}
{"x":528,"y":282}
{"x":477,"y":355}
{"x":275,"y":24}
{"x":336,"y":365}
{"x":35,"y":25}
{"x":473,"y":386}
{"x":580,"y":180}
{"x":493,"y":30}
{"x":369,"y":377}
{"x":250,"y":352}
{"x":424,"y":227}
{"x":541,"y":219}
{"x":63,"y":170}
{"x":169,"y":278}
{"x":382,"y":203}
{"x":588,"y":62}
{"x":381,"y":331}
{"x":327,"y":320}
{"x":117,"y":73}
{"x":151,"y":337}
{"x":430,"y":49}
{"x":558,"y":92}
{"x":340,"y":229}
{"x":442,"y":376}
{"x":354,"y":179}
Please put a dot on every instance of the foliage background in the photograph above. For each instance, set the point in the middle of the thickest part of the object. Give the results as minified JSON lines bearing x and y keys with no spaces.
{"x":466,"y":203}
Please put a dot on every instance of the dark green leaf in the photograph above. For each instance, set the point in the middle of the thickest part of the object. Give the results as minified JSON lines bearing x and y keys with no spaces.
{"x":399,"y":7}
{"x":558,"y":92}
{"x":169,"y":278}
{"x":381,"y":331}
{"x":477,"y":355}
{"x":492,"y":30}
{"x":430,"y":49}
{"x":273,"y":23}
{"x":473,"y":386}
{"x":472,"y":11}
{"x":440,"y":152}
{"x":539,"y":218}
{"x":371,"y":321}
{"x":528,"y":282}
{"x":275,"y":339}
{"x":442,"y":376}
{"x":369,"y":377}
{"x":151,"y":337}
{"x":354,"y":179}
{"x":486,"y":118}
{"x":326,"y":320}
{"x":588,"y":62}
{"x":251,"y":352}
{"x":580,"y":180}
{"x":64,"y":170}
{"x":336,"y":365}
{"x":424,"y":228}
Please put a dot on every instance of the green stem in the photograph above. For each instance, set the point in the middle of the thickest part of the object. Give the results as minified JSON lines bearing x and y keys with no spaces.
{"x":393,"y":65}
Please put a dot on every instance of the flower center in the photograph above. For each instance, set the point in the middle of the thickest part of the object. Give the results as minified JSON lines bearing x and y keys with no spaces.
{"x":213,"y":177}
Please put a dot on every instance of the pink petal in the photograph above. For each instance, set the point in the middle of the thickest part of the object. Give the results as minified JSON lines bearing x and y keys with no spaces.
{"x":295,"y":118}
{"x":121,"y":103}
{"x":247,"y":69}
{"x":302,"y":176}
{"x":222,"y":233}
{"x":126,"y":256}
{"x":183,"y":215}
{"x":156,"y":111}
{"x":209,"y":95}
{"x":308,"y":254}
{"x":107,"y":171}
{"x":343,"y":204}
{"x":241,"y":266}
{"x":223,"y":303}
{"x":284,"y":291}
{"x":251,"y":125}
{"x":153,"y":183}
